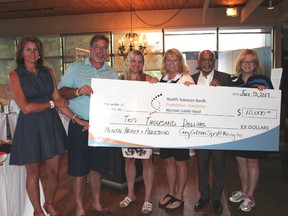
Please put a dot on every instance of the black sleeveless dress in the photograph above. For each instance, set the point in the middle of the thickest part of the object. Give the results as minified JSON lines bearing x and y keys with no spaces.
{"x":38,"y":135}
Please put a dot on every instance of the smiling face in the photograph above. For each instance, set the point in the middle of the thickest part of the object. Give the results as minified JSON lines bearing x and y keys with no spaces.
{"x":136,"y":64}
{"x":98,"y":53}
{"x":248,"y":65}
{"x":206,"y":61}
{"x":30,"y":53}
{"x":173,"y":65}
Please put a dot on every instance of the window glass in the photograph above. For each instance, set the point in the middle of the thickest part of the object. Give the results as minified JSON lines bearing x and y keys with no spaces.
{"x":74,"y":42}
{"x":151,"y":40}
{"x":52,"y":45}
{"x":190,"y":43}
{"x":245,"y":38}
{"x":70,"y":42}
{"x":193,"y":40}
{"x":53,"y":54}
{"x":60,"y":50}
{"x":7,"y":62}
{"x":233,"y":41}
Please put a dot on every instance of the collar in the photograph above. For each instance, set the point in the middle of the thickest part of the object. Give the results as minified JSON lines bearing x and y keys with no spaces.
{"x":177,"y":77}
{"x":104,"y":67}
{"x":209,"y":76}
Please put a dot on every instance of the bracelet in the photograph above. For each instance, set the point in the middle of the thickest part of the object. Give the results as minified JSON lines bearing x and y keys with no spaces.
{"x":77,"y":92}
{"x":73,"y":118}
{"x":52,"y":105}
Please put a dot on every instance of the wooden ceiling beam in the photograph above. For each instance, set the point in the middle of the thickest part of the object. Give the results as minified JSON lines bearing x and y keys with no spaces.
{"x":205,"y":10}
{"x":249,"y":8}
{"x":282,"y":8}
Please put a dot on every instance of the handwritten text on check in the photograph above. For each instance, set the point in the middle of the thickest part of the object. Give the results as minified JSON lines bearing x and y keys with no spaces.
{"x":129,"y":113}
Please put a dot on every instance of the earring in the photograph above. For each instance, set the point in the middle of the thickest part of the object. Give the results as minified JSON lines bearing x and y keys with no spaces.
{"x":39,"y":57}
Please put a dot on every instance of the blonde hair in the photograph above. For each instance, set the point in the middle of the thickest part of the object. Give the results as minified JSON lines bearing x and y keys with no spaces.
{"x":184,"y":68}
{"x":130,"y":56}
{"x":241,"y":57}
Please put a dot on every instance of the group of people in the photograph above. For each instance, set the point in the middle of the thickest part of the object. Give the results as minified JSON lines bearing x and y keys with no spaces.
{"x":39,"y":134}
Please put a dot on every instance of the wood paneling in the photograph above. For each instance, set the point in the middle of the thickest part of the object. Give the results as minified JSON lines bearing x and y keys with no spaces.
{"x":43,"y":8}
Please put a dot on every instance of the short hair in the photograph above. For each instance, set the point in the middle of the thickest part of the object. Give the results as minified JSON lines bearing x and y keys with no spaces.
{"x":20,"y":47}
{"x":184,"y":68}
{"x":130,"y":56}
{"x":199,"y":54}
{"x":98,"y":37}
{"x":241,"y":57}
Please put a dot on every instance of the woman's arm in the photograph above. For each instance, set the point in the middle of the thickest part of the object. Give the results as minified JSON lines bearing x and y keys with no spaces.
{"x":62,"y":105}
{"x":151,"y":79}
{"x":20,"y":98}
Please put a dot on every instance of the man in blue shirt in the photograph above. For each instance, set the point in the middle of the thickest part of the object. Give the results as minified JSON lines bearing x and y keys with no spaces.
{"x":84,"y":160}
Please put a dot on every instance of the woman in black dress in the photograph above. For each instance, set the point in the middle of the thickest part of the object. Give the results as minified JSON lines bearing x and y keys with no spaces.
{"x":39,"y":133}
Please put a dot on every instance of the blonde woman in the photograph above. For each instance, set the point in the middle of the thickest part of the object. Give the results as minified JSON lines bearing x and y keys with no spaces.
{"x":175,"y":70}
{"x":249,"y":76}
{"x":133,"y":70}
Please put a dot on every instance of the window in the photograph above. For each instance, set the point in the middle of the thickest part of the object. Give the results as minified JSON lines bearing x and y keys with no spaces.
{"x":226,"y":42}
{"x":232,"y":41}
{"x":7,"y":53}
{"x":192,"y":40}
{"x":70,"y":42}
{"x":53,"y":54}
{"x":154,"y":44}
{"x":190,"y":43}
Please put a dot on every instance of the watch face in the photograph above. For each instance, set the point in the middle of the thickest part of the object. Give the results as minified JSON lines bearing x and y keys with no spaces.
{"x":3,"y":157}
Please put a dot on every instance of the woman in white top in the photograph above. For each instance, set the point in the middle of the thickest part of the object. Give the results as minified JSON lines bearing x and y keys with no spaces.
{"x":134,"y":71}
{"x":175,"y":70}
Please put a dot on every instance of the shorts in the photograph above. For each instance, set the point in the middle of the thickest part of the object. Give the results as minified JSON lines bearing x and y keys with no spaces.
{"x":81,"y":157}
{"x":137,"y":153}
{"x":178,"y":154}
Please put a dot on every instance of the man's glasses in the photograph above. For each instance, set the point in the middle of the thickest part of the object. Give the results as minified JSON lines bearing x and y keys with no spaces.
{"x":207,"y":60}
{"x":97,"y":47}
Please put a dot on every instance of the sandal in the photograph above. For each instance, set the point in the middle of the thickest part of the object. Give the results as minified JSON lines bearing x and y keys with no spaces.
{"x":125,"y":202}
{"x":163,"y":205}
{"x":147,"y":208}
{"x":175,"y":200}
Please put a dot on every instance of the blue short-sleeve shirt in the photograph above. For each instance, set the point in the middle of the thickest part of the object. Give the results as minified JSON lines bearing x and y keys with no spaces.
{"x":79,"y":74}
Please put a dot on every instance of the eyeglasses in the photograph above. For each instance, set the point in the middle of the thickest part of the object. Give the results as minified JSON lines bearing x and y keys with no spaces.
{"x":207,"y":60}
{"x":248,"y":62}
{"x":98,"y":47}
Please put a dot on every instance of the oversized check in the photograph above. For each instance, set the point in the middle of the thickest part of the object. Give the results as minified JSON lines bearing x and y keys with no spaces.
{"x":141,"y":114}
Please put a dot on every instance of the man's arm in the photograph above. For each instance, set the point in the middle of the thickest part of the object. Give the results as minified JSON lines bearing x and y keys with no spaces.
{"x":69,"y":93}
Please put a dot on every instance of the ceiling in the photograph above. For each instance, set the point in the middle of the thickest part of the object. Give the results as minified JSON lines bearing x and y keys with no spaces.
{"x":15,"y":9}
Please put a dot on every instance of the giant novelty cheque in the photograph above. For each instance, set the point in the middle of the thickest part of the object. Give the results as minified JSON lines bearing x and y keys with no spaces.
{"x":161,"y":115}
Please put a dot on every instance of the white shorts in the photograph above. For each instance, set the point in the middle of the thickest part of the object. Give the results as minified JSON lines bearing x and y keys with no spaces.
{"x":137,"y":153}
